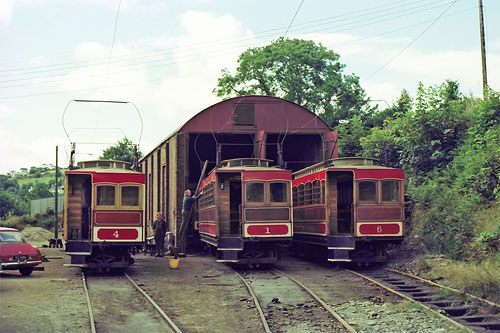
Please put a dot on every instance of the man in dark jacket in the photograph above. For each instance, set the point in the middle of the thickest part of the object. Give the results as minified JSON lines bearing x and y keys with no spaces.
{"x":160,"y":228}
{"x":187,"y":204}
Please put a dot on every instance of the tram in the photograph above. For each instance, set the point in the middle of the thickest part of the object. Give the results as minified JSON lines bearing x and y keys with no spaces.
{"x":244,"y":211}
{"x":103,"y":214}
{"x":348,"y":210}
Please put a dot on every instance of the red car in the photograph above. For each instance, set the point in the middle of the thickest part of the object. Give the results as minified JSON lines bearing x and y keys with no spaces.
{"x":17,"y":254}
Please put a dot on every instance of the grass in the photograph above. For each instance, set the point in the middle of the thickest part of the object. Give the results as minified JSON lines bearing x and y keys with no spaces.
{"x":43,"y":179}
{"x":479,"y":279}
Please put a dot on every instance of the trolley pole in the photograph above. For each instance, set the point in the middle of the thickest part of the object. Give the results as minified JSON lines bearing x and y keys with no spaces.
{"x":56,"y":195}
{"x":483,"y":49}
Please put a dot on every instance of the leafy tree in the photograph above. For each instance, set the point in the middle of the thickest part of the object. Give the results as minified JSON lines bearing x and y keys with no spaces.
{"x":7,"y":203}
{"x":299,"y":71}
{"x":39,"y":191}
{"x":351,"y":132}
{"x":124,"y":150}
{"x":8,"y":184}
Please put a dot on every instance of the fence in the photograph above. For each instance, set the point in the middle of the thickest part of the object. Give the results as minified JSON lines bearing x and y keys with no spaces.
{"x":41,"y":205}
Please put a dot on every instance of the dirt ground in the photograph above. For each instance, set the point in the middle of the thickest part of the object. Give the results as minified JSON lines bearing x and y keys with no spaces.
{"x":201,"y":295}
{"x":46,"y":301}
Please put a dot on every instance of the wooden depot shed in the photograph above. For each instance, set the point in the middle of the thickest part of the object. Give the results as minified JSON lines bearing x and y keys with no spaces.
{"x":249,"y":126}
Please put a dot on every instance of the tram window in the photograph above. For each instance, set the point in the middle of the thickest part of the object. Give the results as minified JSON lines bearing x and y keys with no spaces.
{"x":323,"y":193}
{"x":367,"y":191}
{"x":300,"y":195}
{"x":130,"y":196}
{"x":294,"y":195}
{"x":105,"y":195}
{"x":316,"y":192}
{"x":278,"y":192}
{"x":390,"y":190}
{"x":308,"y":194}
{"x":255,"y":192}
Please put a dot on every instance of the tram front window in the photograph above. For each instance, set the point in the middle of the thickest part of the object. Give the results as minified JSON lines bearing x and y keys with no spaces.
{"x":255,"y":192}
{"x":367,"y":191}
{"x":390,"y":190}
{"x":278,"y":192}
{"x":105,"y":195}
{"x":130,"y":196}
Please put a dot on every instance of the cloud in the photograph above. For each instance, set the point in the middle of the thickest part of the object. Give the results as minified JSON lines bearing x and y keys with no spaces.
{"x":206,"y":46}
{"x":6,"y":111}
{"x":22,"y":154}
{"x":6,"y":10}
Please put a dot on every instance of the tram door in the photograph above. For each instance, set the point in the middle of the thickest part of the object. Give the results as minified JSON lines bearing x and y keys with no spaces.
{"x":345,"y":200}
{"x":235,"y":206}
{"x":229,"y":202}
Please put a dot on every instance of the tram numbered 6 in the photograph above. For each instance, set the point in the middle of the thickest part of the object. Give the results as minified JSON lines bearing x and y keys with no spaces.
{"x":348,"y":209}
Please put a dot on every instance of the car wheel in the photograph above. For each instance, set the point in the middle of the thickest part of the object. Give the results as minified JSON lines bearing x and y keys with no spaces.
{"x":26,"y":271}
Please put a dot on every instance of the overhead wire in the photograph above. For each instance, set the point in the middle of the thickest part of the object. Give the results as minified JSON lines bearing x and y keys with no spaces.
{"x":177,"y":62}
{"x":216,"y":53}
{"x":103,"y":91}
{"x":293,"y":19}
{"x":210,"y":42}
{"x":396,"y":15}
{"x":411,"y":43}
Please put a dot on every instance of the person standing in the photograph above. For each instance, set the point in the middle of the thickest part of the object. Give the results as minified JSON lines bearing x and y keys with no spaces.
{"x":187,"y":204}
{"x":160,"y":229}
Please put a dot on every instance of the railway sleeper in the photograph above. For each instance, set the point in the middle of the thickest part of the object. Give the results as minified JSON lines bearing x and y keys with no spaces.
{"x":485,"y":322}
{"x":479,"y":318}
{"x":456,"y":311}
{"x":446,"y":303}
{"x":422,"y":294}
{"x":409,"y":288}
{"x":423,"y":299}
{"x":489,"y":325}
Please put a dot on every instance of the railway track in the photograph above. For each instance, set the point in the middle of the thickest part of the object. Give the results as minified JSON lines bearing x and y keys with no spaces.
{"x":114,"y":305}
{"x":466,"y":312}
{"x":289,"y":304}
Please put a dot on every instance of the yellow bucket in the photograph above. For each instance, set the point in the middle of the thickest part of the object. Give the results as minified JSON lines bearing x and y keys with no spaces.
{"x":173,"y":263}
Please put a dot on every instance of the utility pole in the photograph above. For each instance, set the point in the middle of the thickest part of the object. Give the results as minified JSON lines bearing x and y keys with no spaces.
{"x":56,"y":195}
{"x":483,"y":49}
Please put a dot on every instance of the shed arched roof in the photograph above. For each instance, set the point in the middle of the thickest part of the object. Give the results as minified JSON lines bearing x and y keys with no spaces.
{"x":271,"y":115}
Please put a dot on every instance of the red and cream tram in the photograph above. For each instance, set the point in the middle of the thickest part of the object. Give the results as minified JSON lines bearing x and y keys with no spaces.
{"x":244,"y":211}
{"x":348,"y":209}
{"x":103,"y":214}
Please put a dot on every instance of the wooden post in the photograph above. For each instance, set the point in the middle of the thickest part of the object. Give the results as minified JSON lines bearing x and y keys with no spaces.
{"x":56,"y":195}
{"x":483,"y":49}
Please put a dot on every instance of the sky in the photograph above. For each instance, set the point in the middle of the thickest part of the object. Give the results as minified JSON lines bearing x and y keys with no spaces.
{"x":164,"y":58}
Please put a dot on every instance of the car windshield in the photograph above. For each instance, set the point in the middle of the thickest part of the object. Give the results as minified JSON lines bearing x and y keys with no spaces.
{"x":11,"y":237}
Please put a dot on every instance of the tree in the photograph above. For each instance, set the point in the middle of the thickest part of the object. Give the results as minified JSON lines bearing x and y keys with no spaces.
{"x":8,"y":184}
{"x":124,"y":150}
{"x":299,"y":71}
{"x":7,"y":203}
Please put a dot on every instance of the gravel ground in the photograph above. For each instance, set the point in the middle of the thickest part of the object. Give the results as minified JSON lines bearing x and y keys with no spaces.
{"x":202,"y":296}
{"x":367,"y":316}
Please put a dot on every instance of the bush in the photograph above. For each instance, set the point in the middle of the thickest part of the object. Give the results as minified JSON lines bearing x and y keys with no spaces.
{"x":47,"y":223}
{"x":15,"y":225}
{"x":445,"y":226}
{"x":26,"y":219}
